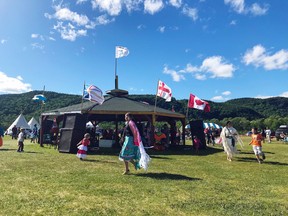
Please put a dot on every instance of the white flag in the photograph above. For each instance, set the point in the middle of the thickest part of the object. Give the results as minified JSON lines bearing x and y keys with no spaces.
{"x":164,"y":91}
{"x":121,"y":52}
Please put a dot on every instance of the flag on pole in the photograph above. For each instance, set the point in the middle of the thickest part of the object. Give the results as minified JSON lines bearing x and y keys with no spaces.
{"x":94,"y":94}
{"x":197,"y":103}
{"x":164,"y":91}
{"x":121,"y":52}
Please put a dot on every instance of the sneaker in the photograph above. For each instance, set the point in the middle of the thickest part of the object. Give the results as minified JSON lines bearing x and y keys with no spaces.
{"x":263,"y":156}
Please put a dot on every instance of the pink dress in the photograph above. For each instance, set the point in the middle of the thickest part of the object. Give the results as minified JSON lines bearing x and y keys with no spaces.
{"x":82,"y":149}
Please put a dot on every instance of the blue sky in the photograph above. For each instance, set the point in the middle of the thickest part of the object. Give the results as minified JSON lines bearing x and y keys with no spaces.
{"x":215,"y":49}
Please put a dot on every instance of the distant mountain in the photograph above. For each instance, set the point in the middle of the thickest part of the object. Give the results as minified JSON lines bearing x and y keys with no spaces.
{"x":11,"y":105}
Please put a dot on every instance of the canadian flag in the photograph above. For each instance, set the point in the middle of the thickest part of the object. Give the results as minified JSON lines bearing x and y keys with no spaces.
{"x":197,"y":103}
{"x":164,"y":91}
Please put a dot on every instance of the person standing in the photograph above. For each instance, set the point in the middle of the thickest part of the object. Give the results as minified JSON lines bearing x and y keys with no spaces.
{"x":14,"y":132}
{"x":256,"y":142}
{"x":21,"y":137}
{"x":228,"y":136}
{"x":132,"y":149}
{"x":268,"y":134}
{"x":1,"y":135}
{"x":83,"y":147}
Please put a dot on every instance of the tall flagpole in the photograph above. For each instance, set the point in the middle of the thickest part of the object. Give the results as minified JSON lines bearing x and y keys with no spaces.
{"x":82,"y":95}
{"x":116,"y":76}
{"x":156,"y":96}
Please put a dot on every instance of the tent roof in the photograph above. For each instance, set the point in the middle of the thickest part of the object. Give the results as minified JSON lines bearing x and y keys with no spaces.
{"x":115,"y":108}
{"x":20,"y":121}
{"x":32,"y":122}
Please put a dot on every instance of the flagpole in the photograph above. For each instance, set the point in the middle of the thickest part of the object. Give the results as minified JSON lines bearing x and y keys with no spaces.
{"x":82,"y":96}
{"x":187,"y":110}
{"x":156,"y":96}
{"x":42,"y":101}
{"x":116,"y":77}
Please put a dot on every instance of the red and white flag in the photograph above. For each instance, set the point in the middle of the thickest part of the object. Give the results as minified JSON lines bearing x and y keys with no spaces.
{"x":164,"y":91}
{"x":197,"y":103}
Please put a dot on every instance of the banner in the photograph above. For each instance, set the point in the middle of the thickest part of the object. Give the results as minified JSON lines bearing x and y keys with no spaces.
{"x":94,"y":94}
{"x":164,"y":91}
{"x":121,"y":52}
{"x":197,"y":103}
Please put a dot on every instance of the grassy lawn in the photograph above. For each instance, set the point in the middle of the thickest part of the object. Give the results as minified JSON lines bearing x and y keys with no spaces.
{"x":41,"y":181}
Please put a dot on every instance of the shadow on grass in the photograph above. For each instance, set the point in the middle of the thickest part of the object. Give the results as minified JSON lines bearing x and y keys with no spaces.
{"x":2,"y":149}
{"x":98,"y":161}
{"x":168,"y":176}
{"x":160,"y":157}
{"x":252,"y":153}
{"x":175,"y":150}
{"x":254,"y":160}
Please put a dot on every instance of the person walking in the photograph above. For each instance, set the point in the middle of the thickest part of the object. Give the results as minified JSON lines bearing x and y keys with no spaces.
{"x":268,"y":134}
{"x":21,"y":137}
{"x":256,"y":143}
{"x":228,"y":136}
{"x":1,"y":135}
{"x":132,"y":149}
{"x":83,"y":147}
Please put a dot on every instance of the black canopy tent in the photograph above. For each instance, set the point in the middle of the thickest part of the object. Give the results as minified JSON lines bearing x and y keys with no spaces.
{"x":113,"y":110}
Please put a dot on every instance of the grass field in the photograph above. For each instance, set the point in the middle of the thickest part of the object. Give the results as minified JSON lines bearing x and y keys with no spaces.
{"x":41,"y":181}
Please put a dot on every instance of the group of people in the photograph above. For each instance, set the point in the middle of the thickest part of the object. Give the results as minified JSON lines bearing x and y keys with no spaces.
{"x":230,"y":138}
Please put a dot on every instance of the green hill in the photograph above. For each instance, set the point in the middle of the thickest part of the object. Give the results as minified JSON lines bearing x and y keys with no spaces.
{"x":11,"y":105}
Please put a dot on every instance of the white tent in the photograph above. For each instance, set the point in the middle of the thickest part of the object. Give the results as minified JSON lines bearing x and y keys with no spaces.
{"x":32,"y":122}
{"x":19,"y":122}
{"x":211,"y":125}
{"x":206,"y":125}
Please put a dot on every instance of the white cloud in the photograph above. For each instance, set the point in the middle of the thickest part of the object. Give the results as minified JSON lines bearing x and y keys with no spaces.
{"x":240,"y":7}
{"x":13,"y":85}
{"x":218,"y":98}
{"x":177,"y":77}
{"x":3,"y":41}
{"x":212,"y":67}
{"x":257,"y":10}
{"x":259,"y":57}
{"x":37,"y":46}
{"x":161,"y":29}
{"x":103,"y":20}
{"x":222,"y":97}
{"x":236,"y":5}
{"x":153,"y":6}
{"x":112,"y":7}
{"x":68,"y":32}
{"x":66,"y":14}
{"x":233,"y":22}
{"x":284,"y":94}
{"x":217,"y":66}
{"x":226,"y":93}
{"x":141,"y":26}
{"x":176,"y":3}
{"x":81,"y":1}
{"x":190,"y":12}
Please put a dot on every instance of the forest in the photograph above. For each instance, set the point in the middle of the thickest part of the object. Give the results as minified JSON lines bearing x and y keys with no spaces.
{"x":243,"y":112}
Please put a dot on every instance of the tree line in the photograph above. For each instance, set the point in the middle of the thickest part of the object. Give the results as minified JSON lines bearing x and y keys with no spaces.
{"x":245,"y":113}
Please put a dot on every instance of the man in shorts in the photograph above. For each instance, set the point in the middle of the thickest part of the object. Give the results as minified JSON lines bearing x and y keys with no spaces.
{"x":256,"y":142}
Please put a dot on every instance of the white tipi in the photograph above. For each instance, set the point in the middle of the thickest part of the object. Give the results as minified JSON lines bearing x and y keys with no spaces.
{"x":19,"y":122}
{"x":32,"y":122}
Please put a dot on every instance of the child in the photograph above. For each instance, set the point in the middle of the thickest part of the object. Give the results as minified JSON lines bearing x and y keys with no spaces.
{"x":21,"y":138}
{"x":82,"y":146}
{"x":257,"y":146}
{"x":196,"y":144}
